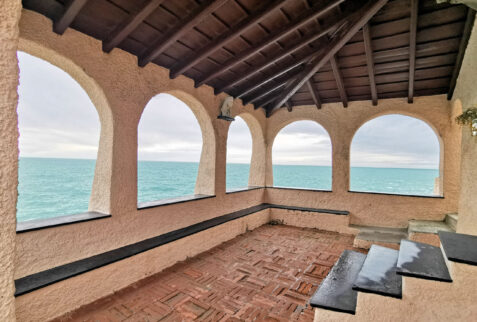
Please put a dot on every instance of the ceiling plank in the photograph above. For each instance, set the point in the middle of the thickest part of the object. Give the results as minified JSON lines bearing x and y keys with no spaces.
{"x":272,"y":60}
{"x":187,"y":63}
{"x":314,"y":94}
{"x":339,"y":80}
{"x":469,"y":23}
{"x":171,"y":36}
{"x":361,"y":17}
{"x":270,"y":39}
{"x":72,"y":9}
{"x":370,"y":63}
{"x":129,"y":25}
{"x":412,"y":48}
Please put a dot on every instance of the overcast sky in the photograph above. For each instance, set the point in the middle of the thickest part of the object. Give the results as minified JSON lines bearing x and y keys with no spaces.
{"x":57,"y":119}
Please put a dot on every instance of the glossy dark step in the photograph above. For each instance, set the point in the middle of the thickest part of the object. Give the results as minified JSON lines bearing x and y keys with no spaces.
{"x":459,"y":248}
{"x":336,"y":291}
{"x":422,"y":261}
{"x":378,"y":274}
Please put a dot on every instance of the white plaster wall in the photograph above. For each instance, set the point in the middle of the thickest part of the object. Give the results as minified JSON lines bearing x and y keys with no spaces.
{"x":465,"y":96}
{"x":9,"y":17}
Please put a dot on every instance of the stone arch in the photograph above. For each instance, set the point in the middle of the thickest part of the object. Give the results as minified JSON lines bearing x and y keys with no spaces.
{"x":100,"y":199}
{"x":440,"y":181}
{"x":257,"y":162}
{"x":205,"y":182}
{"x":277,"y":129}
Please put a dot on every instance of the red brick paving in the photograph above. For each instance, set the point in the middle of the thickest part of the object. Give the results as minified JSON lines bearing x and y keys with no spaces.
{"x":268,"y":274}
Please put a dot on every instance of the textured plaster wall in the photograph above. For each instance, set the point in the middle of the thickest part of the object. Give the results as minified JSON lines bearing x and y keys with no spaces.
{"x":465,"y":96}
{"x":341,"y":124}
{"x":9,"y":17}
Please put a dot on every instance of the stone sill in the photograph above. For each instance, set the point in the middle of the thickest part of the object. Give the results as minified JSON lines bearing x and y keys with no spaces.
{"x":396,"y":194}
{"x":300,"y":189}
{"x":36,"y":224}
{"x":171,"y":201}
{"x":249,"y":188}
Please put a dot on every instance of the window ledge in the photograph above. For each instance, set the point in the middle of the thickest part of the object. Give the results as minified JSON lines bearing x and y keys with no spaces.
{"x":249,"y":188}
{"x":296,"y":188}
{"x":36,"y":224}
{"x":397,"y":194}
{"x":171,"y":201}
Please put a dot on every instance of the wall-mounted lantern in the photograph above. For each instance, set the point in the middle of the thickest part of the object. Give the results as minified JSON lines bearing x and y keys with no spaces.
{"x":225,"y":109}
{"x":469,"y":117}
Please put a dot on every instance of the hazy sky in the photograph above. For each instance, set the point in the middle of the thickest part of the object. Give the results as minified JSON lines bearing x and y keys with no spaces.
{"x":57,"y":119}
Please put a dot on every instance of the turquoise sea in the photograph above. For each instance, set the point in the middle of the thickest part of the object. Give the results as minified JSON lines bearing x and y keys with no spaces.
{"x":55,"y":187}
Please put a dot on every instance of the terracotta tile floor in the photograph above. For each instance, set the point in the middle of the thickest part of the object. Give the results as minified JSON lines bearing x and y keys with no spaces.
{"x":268,"y":274}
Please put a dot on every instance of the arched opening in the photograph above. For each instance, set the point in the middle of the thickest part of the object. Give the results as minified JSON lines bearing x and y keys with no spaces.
{"x":239,"y":155}
{"x":396,"y":154}
{"x":302,"y":157}
{"x":59,"y":134}
{"x":170,"y":146}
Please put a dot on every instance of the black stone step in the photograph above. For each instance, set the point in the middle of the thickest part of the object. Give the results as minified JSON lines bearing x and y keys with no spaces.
{"x":459,"y":248}
{"x":378,"y":274}
{"x":422,"y":261}
{"x":336,"y":291}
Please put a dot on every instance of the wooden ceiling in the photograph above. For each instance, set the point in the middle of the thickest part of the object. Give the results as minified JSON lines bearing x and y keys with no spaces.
{"x":282,"y":53}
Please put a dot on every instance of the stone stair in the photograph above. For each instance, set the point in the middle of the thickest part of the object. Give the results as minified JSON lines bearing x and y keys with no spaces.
{"x":426,"y":231}
{"x":381,"y":273}
{"x":387,"y":237}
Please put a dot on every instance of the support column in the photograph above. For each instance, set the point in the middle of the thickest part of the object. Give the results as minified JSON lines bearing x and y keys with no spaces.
{"x":341,"y":163}
{"x":10,"y":11}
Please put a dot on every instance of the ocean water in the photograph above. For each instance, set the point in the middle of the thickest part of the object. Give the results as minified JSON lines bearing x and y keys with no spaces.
{"x":55,"y":187}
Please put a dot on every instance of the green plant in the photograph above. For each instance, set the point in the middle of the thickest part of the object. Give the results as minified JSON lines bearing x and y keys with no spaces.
{"x":468,"y":117}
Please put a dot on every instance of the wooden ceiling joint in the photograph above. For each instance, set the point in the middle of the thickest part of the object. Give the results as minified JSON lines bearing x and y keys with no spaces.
{"x":339,"y":81}
{"x":72,"y":9}
{"x":368,"y":48}
{"x":314,"y":94}
{"x":412,"y":48}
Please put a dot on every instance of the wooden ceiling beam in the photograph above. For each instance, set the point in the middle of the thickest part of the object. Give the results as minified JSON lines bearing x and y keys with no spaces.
{"x":272,"y":60}
{"x":72,"y":9}
{"x":263,"y":93}
{"x":184,"y":65}
{"x":171,"y":36}
{"x":469,"y":24}
{"x":270,"y":39}
{"x":289,"y":106}
{"x":368,"y":48}
{"x":129,"y":25}
{"x":360,"y":18}
{"x":412,"y":48}
{"x":314,"y":94}
{"x":339,"y":81}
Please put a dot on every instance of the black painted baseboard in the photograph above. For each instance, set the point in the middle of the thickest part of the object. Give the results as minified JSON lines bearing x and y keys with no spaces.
{"x":53,"y":275}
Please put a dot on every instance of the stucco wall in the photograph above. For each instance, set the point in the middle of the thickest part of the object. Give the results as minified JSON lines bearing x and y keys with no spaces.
{"x":341,"y":124}
{"x":465,"y":96}
{"x":9,"y":17}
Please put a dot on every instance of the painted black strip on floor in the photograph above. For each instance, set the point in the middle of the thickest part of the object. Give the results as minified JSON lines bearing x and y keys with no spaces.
{"x":53,"y":275}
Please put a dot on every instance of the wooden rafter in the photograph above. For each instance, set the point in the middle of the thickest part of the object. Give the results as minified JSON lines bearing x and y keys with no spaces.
{"x":205,"y":9}
{"x":360,"y":18}
{"x":339,"y":80}
{"x":370,"y":63}
{"x":469,"y":23}
{"x":129,"y":25}
{"x":302,"y":20}
{"x":187,"y":63}
{"x":72,"y":9}
{"x":264,"y":93}
{"x":282,"y":54}
{"x":289,"y":106}
{"x":314,"y":94}
{"x":412,"y":48}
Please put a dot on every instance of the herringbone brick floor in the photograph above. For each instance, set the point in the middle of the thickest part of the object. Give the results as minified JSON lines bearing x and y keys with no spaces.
{"x":268,"y":274}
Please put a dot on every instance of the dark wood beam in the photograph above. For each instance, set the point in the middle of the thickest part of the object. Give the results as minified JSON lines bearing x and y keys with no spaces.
{"x":270,"y":39}
{"x":368,"y":48}
{"x":72,"y":9}
{"x":314,"y":94}
{"x":266,"y":101}
{"x":339,"y":80}
{"x":187,"y":63}
{"x":273,"y":60}
{"x":129,"y":25}
{"x":263,"y":93}
{"x":360,"y":18}
{"x":412,"y":48}
{"x":469,"y":24}
{"x":289,"y":106}
{"x":171,"y":36}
